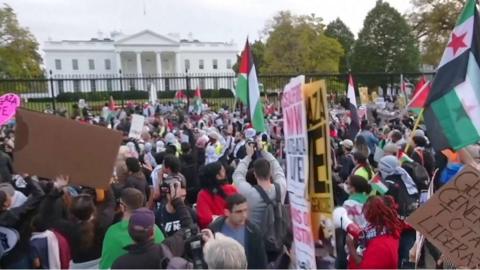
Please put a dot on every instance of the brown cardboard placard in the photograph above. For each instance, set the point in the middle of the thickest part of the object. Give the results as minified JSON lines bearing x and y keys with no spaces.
{"x":451,"y":219}
{"x":48,"y":145}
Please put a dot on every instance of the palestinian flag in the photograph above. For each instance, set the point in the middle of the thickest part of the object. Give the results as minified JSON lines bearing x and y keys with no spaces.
{"x":420,"y":95}
{"x":351,"y":91}
{"x":452,"y":110}
{"x":180,"y":97}
{"x":248,"y":91}
{"x":197,"y":103}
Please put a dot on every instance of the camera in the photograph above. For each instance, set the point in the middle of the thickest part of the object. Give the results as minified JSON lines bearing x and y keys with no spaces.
{"x":194,"y":247}
{"x":165,"y":187}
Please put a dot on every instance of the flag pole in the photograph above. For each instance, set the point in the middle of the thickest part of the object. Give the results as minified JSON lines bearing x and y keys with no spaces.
{"x":417,"y":123}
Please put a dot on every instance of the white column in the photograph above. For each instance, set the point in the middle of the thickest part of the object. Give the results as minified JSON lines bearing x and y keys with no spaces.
{"x":139,"y":71}
{"x":159,"y":63}
{"x":178,"y":64}
{"x":119,"y":61}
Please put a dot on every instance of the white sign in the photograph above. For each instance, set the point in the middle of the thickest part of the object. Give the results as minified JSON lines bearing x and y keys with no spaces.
{"x":296,"y":140}
{"x":136,"y":127}
{"x":302,"y":233}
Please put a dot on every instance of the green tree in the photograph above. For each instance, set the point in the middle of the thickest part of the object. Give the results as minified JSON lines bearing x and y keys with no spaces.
{"x":19,"y":55}
{"x":298,"y":44}
{"x":258,"y":49}
{"x":432,"y":22}
{"x":386,"y":43}
{"x":339,"y":31}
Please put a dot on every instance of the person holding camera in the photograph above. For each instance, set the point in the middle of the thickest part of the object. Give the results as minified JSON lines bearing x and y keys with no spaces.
{"x":144,"y":253}
{"x":167,"y":217}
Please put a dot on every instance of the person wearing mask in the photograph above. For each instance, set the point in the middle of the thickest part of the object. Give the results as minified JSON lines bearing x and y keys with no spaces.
{"x":362,"y":168}
{"x":117,"y":237}
{"x":381,"y":242}
{"x":214,"y":189}
{"x":166,"y":217}
{"x":270,"y":177}
{"x":358,"y":190}
{"x":236,"y":225}
{"x":136,"y":178}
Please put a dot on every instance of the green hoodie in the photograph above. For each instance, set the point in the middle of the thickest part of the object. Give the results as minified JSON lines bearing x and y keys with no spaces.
{"x":116,"y":239}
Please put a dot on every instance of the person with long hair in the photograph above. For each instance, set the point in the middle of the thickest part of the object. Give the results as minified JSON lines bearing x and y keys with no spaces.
{"x":214,"y":189}
{"x":378,"y":248}
{"x":362,"y":167}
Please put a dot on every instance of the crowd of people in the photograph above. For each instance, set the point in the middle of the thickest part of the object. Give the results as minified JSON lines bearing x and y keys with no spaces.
{"x":207,"y":191}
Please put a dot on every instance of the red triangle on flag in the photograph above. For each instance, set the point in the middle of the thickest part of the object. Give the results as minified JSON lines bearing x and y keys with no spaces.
{"x":420,"y":95}
{"x":198,"y":93}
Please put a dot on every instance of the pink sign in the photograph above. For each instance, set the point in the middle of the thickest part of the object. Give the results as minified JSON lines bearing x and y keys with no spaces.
{"x":8,"y":106}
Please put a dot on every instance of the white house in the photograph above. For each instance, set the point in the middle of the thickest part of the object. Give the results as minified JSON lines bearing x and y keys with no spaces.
{"x":146,"y":59}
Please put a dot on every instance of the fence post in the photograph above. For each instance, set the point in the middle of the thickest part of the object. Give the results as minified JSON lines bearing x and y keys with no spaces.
{"x":121,"y":87}
{"x":52,"y":90}
{"x":187,"y":86}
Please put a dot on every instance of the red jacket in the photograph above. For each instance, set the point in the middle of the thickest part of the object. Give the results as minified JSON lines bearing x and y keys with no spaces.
{"x":209,"y":205}
{"x":381,"y":253}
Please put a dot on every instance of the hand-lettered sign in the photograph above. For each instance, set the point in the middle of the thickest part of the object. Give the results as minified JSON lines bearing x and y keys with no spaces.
{"x":451,"y":218}
{"x":8,"y":105}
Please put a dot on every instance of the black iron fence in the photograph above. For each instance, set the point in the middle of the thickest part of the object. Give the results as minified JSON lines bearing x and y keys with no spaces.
{"x":60,"y":92}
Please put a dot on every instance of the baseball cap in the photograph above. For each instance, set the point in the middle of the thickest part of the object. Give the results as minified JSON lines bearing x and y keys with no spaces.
{"x":347,"y":143}
{"x":250,"y":133}
{"x":142,"y":219}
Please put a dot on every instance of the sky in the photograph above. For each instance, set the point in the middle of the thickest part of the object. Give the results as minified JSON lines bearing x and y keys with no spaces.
{"x":207,"y":20}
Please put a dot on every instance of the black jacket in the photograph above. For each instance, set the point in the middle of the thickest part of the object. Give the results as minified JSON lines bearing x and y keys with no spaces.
{"x":254,"y":245}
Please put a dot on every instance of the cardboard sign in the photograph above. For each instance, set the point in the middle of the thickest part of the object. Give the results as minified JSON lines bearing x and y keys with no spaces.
{"x":48,"y":146}
{"x":296,"y":143}
{"x":451,"y":219}
{"x":8,"y":106}
{"x":319,"y":172}
{"x":136,"y":127}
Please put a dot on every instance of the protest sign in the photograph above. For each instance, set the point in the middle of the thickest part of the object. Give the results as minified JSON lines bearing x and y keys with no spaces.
{"x":450,"y":219}
{"x":136,"y":127}
{"x":295,"y":132}
{"x":8,"y":105}
{"x":319,"y":168}
{"x":302,"y":233}
{"x":364,"y":97}
{"x":48,"y":146}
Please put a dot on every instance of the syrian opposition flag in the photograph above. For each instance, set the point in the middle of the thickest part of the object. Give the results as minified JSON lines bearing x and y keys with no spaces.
{"x":197,"y":103}
{"x":420,"y":95}
{"x":351,"y":91}
{"x":248,"y":91}
{"x":453,"y":106}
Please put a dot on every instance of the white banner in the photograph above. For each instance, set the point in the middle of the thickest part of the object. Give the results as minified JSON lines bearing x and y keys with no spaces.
{"x":302,"y":233}
{"x":296,"y":140}
{"x":137,"y":126}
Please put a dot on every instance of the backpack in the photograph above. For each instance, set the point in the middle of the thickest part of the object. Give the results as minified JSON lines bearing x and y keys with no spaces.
{"x":169,"y":261}
{"x":418,"y":173}
{"x":406,"y":203}
{"x":276,"y":224}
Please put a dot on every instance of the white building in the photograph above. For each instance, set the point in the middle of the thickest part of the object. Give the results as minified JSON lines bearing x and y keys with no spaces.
{"x":145,"y":59}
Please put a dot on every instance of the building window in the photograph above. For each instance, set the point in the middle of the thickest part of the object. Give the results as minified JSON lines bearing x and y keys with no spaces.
{"x":76,"y":86}
{"x":215,"y":64}
{"x":91,"y":64}
{"x":75,"y":64}
{"x":187,"y":64}
{"x":108,"y":64}
{"x":61,"y":87}
{"x":229,"y":63}
{"x":93,"y":86}
{"x":109,"y":85}
{"x":200,"y":64}
{"x":58,"y":64}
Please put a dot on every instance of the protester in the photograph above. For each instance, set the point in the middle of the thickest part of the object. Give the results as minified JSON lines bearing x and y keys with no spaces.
{"x":362,"y":168}
{"x":358,"y":190}
{"x":136,"y":178}
{"x":213,"y":192}
{"x":381,"y":237}
{"x":346,"y":161}
{"x":224,"y":253}
{"x":117,"y":237}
